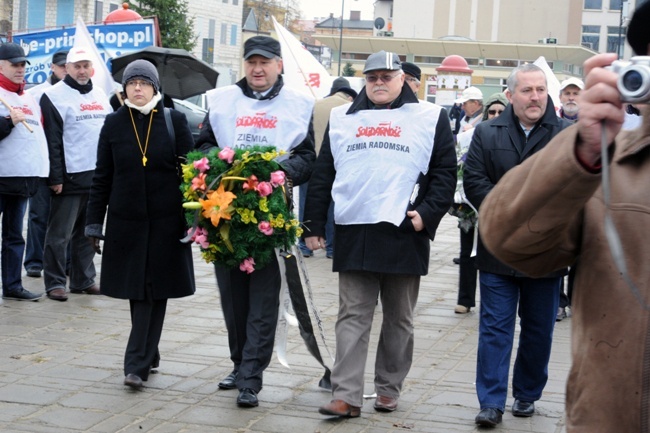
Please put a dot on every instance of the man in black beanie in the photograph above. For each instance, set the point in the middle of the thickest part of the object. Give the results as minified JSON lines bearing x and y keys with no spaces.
{"x":559,"y":213}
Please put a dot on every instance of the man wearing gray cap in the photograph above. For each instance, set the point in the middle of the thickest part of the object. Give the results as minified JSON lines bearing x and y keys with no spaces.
{"x":23,"y":160}
{"x":384,"y":221}
{"x":250,"y":301}
{"x":73,"y":112}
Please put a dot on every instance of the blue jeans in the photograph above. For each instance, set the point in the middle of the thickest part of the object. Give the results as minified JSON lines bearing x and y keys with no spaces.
{"x":12,"y":208}
{"x":538,"y":301}
{"x":329,"y":225}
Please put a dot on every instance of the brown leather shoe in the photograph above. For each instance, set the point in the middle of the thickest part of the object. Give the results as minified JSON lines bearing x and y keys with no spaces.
{"x":92,"y":290}
{"x":57,"y":295}
{"x":340,"y":408}
{"x":383,"y":403}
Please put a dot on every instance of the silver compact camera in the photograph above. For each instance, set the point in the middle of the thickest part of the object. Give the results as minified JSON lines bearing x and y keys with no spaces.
{"x":633,"y":79}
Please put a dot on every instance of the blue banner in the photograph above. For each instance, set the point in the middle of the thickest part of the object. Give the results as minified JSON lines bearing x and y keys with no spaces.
{"x":112,"y":40}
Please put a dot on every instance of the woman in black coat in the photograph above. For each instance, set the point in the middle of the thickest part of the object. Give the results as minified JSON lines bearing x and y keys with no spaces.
{"x":137,"y":180}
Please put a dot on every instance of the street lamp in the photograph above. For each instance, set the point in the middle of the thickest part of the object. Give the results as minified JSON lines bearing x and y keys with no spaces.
{"x":341,"y":34}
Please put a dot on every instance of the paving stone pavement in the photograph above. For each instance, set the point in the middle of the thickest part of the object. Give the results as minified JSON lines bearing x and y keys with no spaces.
{"x":61,"y":366}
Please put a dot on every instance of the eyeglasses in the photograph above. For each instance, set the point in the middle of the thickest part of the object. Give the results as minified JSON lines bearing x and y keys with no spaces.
{"x":493,"y":112}
{"x":384,"y":78}
{"x":141,"y":83}
{"x":412,"y":80}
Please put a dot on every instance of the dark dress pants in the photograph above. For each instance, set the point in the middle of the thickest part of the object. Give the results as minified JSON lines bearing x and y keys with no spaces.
{"x":250,"y":305}
{"x":147,"y":318}
{"x":467,"y":271}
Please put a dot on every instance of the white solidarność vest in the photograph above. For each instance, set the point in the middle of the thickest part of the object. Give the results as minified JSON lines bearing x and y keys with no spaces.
{"x":23,"y":153}
{"x":241,"y":122}
{"x":83,"y":117}
{"x":378,"y":156}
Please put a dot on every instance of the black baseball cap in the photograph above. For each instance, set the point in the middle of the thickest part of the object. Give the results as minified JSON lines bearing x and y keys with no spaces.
{"x":13,"y":53}
{"x":60,"y":58}
{"x":262,"y":46}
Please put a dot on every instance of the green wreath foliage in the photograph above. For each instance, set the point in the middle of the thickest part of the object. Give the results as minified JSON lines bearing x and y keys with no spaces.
{"x":228,"y":209}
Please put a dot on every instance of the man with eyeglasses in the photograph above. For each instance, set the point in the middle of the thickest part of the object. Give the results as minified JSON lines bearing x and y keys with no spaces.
{"x":23,"y":162}
{"x":388,"y":162}
{"x":524,"y":128}
{"x":73,"y":113}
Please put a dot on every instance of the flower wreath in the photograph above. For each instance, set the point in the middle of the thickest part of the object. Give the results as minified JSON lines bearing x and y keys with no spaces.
{"x":235,"y":202}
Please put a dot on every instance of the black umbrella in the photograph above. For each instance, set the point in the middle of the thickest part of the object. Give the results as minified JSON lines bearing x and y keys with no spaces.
{"x":181,"y":74}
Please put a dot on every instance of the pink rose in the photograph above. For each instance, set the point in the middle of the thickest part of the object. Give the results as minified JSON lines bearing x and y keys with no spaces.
{"x":277,"y":178}
{"x":227,"y":154}
{"x":264,"y":189}
{"x":202,"y":165}
{"x":248,"y":265}
{"x":265,"y":227}
{"x":201,"y":237}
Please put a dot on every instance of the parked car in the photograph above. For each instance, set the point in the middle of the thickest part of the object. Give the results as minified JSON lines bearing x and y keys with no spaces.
{"x":194,"y":114}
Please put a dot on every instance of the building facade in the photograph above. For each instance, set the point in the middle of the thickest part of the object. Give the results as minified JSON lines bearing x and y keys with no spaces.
{"x":217,"y":25}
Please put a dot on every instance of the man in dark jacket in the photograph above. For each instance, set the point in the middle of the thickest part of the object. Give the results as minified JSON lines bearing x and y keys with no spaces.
{"x":525,"y":127}
{"x":374,"y":152}
{"x":73,"y":114}
{"x":250,"y":301}
{"x":19,"y":170}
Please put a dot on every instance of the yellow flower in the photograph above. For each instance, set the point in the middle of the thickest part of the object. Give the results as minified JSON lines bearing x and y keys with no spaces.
{"x":299,"y":232}
{"x":247,"y":215}
{"x":278,"y":222}
{"x":264,"y":204}
{"x":268,"y":156}
{"x":188,"y":171}
{"x":218,"y":205}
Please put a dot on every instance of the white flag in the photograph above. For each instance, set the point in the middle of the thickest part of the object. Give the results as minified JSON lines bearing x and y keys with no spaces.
{"x":101,"y":78}
{"x":552,"y":83}
{"x":301,"y":69}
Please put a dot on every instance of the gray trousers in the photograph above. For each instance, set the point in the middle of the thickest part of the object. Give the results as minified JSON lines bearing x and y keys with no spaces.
{"x":358,"y":294}
{"x":66,"y":226}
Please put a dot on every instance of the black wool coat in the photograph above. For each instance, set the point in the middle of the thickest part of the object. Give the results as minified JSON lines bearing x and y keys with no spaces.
{"x":144,"y":216}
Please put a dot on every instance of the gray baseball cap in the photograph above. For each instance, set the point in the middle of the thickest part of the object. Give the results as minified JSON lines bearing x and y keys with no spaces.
{"x":384,"y":61}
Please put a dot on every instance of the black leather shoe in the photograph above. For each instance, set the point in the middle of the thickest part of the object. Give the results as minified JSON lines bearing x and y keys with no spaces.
{"x":489,"y":417}
{"x":133,"y":381}
{"x":230,"y":382}
{"x":247,"y":398}
{"x":523,"y":408}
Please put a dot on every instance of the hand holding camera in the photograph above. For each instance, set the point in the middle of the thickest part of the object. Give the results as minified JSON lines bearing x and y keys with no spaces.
{"x":600,"y":106}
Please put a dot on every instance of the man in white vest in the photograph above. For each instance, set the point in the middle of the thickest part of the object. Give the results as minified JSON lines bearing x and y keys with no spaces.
{"x":39,"y":203}
{"x":250,"y":301}
{"x":19,"y":169}
{"x":389,"y":164}
{"x":73,"y":113}
{"x":472,"y":100}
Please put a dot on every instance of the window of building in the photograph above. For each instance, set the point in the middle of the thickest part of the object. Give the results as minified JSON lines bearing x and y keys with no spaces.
{"x":616,"y":39}
{"x":36,"y":16}
{"x":65,"y":12}
{"x":99,"y":8}
{"x":594,"y":4}
{"x":615,"y":5}
{"x":591,"y":37}
{"x":223,"y":36}
{"x":225,"y":1}
{"x":207,"y":50}
{"x":113,"y":7}
{"x":502,"y":63}
{"x":233,"y":34}
{"x":235,"y":2}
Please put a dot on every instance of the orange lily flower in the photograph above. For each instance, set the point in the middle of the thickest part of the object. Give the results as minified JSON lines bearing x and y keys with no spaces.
{"x":218,"y":205}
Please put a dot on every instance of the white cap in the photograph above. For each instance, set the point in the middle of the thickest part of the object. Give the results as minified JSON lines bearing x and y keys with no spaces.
{"x":573,"y":81}
{"x":471,"y":93}
{"x":79,"y":54}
